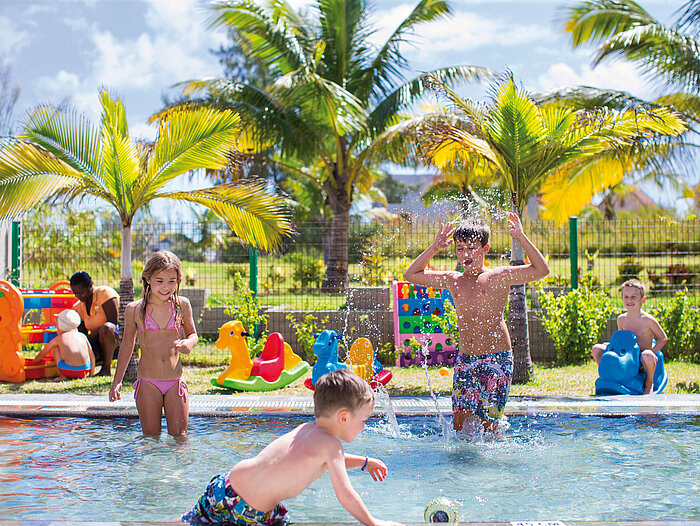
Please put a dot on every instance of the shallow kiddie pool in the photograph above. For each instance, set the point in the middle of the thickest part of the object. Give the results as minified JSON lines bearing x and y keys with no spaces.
{"x":552,"y":467}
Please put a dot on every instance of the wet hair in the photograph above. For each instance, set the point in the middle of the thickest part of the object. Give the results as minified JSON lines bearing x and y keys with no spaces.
{"x":472,"y":229}
{"x":157,"y":262}
{"x":81,"y":278}
{"x":635,"y":284}
{"x":340,"y":389}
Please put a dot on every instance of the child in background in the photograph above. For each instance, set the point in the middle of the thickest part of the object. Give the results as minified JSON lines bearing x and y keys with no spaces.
{"x":643,"y":325}
{"x":72,"y":350}
{"x":252,"y":491}
{"x":159,"y":319}
{"x":484,"y":364}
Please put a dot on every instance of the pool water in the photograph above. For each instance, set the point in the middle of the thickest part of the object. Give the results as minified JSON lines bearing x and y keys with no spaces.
{"x":552,"y":467}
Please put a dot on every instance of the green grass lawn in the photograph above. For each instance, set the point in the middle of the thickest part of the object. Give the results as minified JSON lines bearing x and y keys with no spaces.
{"x":407,"y":381}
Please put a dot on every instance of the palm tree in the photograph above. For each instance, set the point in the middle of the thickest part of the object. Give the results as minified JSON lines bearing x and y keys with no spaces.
{"x":669,"y":57}
{"x":333,"y":95}
{"x":566,"y":154}
{"x":59,"y":153}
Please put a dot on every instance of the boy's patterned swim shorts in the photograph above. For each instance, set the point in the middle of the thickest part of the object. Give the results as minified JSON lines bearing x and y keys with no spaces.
{"x":221,"y":504}
{"x":481,"y":384}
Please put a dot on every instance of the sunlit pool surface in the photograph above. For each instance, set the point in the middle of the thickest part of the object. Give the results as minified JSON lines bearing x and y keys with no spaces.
{"x":559,"y":467}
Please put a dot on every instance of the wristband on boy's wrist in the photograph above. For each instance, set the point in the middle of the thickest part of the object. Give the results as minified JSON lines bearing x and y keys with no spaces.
{"x":365,"y":464}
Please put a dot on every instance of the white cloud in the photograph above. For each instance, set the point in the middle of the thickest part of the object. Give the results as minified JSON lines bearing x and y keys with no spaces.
{"x":616,"y":75}
{"x":12,"y":40}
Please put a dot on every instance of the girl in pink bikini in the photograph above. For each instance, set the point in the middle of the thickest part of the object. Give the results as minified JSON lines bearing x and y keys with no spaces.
{"x":160,"y":320}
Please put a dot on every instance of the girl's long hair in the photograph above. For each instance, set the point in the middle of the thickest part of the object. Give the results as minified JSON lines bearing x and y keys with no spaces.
{"x":157,"y":262}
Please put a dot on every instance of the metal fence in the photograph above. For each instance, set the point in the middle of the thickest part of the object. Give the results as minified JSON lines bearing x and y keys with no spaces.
{"x":665,"y":254}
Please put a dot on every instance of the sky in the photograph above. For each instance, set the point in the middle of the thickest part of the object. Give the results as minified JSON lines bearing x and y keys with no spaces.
{"x":67,"y":50}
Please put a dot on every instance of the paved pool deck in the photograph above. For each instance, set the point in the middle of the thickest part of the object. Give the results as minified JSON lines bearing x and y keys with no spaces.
{"x":98,"y":406}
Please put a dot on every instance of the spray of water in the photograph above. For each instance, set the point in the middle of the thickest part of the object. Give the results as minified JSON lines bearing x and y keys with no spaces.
{"x":447,"y":431}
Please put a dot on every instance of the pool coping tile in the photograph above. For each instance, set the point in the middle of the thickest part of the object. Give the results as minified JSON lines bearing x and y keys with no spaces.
{"x":98,"y":406}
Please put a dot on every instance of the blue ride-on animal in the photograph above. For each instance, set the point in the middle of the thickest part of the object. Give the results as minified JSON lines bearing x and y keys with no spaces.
{"x":619,"y":371}
{"x":326,"y":348}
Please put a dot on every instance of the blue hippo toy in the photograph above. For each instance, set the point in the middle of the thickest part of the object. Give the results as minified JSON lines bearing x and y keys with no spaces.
{"x":326,"y":348}
{"x":618,"y":369}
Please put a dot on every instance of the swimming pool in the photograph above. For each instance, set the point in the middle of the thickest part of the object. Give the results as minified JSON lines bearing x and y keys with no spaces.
{"x":551,"y":467}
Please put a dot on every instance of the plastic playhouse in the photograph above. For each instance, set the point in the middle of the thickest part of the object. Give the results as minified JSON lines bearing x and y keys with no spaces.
{"x":277,"y":366}
{"x":416,"y":313}
{"x":619,"y":367}
{"x":13,"y":334}
{"x":360,"y":360}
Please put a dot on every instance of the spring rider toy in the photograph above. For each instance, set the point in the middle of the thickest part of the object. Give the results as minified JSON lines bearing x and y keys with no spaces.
{"x":277,"y":366}
{"x":360,"y":359}
{"x":618,"y":369}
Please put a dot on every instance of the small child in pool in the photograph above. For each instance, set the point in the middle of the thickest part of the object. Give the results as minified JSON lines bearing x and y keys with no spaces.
{"x":72,"y":350}
{"x":484,"y":366}
{"x":159,"y":319}
{"x":252,"y":491}
{"x":643,"y":325}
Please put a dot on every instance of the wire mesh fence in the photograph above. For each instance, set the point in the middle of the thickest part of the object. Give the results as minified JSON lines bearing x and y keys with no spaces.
{"x":665,"y":254}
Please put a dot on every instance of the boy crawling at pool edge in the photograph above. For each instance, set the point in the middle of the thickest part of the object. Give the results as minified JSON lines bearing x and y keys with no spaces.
{"x":250,"y":494}
{"x":484,"y":366}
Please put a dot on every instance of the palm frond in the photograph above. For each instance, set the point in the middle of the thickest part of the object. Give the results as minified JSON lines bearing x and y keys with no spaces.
{"x":68,"y":136}
{"x":190,"y":139}
{"x":594,"y":21}
{"x":407,"y":94}
{"x":257,"y":216}
{"x":378,"y":80}
{"x":273,"y":44}
{"x":29,"y":175}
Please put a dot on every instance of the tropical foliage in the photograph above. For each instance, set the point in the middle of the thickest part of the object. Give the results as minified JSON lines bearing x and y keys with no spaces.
{"x":668,"y":56}
{"x":60,"y":154}
{"x":333,"y":96}
{"x":565,"y":154}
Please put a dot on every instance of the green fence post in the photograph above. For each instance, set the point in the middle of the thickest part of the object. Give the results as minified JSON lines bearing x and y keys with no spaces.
{"x":16,"y":257}
{"x":253,"y":260}
{"x":573,"y":251}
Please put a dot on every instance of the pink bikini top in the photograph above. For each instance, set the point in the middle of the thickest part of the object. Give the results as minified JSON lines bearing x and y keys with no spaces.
{"x":150,"y":325}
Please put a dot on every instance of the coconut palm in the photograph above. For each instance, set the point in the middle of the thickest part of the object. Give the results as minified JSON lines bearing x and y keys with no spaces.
{"x":333,"y":95}
{"x":566,"y":154}
{"x":668,"y":56}
{"x":59,"y":153}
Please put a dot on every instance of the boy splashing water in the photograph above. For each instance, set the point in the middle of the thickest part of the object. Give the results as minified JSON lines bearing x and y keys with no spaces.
{"x":484,"y":365}
{"x":250,"y":494}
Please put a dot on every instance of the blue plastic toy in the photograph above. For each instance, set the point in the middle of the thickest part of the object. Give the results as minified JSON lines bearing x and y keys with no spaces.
{"x":618,"y":369}
{"x":326,"y":348}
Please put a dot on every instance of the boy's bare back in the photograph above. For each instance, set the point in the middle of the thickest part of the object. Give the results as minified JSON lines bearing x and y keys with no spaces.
{"x":74,"y":348}
{"x":285,"y":467}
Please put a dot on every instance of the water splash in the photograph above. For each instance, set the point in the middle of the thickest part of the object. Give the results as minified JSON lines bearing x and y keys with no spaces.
{"x":382,"y":397}
{"x":447,"y":431}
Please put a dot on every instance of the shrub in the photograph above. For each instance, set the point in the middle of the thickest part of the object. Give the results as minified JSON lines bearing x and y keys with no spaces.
{"x":681,"y":323}
{"x":678,"y":274}
{"x":306,"y":331}
{"x":628,"y":269}
{"x":245,"y":308}
{"x":309,"y":272}
{"x":575,"y":321}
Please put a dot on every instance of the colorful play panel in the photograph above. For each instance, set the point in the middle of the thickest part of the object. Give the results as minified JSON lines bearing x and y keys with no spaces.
{"x":417,"y":310}
{"x":360,"y":360}
{"x":619,"y":368}
{"x":277,"y":366}
{"x":13,"y":334}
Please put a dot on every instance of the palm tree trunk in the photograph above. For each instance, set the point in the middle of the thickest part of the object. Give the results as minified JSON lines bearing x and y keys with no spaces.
{"x":517,"y":323}
{"x":126,"y":296}
{"x":337,"y":269}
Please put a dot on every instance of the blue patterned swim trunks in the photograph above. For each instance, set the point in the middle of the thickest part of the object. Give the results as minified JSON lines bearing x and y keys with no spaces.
{"x":481,"y":384}
{"x":220,"y":504}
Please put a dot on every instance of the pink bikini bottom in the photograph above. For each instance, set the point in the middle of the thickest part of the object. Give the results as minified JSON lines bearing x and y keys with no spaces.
{"x":163,"y":386}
